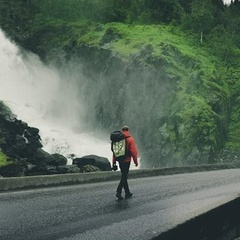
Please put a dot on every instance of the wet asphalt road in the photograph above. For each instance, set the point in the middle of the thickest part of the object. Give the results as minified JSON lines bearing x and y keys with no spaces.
{"x":91,"y":211}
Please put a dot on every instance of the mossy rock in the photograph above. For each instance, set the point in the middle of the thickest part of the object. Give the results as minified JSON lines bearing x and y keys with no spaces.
{"x":111,"y":34}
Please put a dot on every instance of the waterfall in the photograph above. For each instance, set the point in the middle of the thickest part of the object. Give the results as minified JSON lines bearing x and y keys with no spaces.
{"x":42,"y":97}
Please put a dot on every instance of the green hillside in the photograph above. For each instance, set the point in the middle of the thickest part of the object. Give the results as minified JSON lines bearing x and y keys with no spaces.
{"x":184,"y":59}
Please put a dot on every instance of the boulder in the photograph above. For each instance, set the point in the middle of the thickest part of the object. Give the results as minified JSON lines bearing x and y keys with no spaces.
{"x":33,"y":170}
{"x":50,"y":170}
{"x":90,"y":168}
{"x":12,"y":170}
{"x":20,"y":146}
{"x":41,"y":158}
{"x":18,"y":126}
{"x":6,"y":113}
{"x":68,"y":169}
{"x":94,"y":160}
{"x":41,"y":170}
{"x":58,"y":159}
{"x":17,"y":140}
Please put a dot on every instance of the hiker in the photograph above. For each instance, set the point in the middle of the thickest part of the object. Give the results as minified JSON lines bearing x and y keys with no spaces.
{"x":131,"y":153}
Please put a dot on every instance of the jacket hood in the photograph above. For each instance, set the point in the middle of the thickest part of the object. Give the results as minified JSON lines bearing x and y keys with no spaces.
{"x":126,"y":134}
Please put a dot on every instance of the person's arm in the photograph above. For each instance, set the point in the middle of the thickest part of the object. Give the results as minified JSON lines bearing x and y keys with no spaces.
{"x":133,"y":151}
{"x":113,"y":160}
{"x":114,"y":165}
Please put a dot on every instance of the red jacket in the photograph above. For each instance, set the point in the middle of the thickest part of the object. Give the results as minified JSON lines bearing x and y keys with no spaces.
{"x":132,"y":149}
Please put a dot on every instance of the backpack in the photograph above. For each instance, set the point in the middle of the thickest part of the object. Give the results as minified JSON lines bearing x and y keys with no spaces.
{"x":118,"y":145}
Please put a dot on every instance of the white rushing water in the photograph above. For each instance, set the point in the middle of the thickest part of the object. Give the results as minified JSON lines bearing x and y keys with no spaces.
{"x":39,"y":96}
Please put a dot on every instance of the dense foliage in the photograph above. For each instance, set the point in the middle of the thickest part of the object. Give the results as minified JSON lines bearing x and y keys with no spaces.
{"x":205,"y":17}
{"x":196,"y":41}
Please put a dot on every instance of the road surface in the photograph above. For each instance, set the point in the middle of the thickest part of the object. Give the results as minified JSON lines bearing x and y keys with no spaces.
{"x":91,"y":211}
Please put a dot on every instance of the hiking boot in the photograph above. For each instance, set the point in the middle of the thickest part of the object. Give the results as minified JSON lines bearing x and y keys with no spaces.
{"x":128,"y":195}
{"x":119,"y":196}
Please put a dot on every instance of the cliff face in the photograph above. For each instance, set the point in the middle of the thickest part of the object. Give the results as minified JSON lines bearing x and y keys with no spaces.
{"x":171,"y":125}
{"x":137,"y":92}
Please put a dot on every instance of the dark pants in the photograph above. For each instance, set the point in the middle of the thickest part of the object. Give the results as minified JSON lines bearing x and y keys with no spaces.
{"x":124,"y":166}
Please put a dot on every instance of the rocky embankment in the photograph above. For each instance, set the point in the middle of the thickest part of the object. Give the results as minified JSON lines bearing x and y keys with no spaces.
{"x":23,"y":151}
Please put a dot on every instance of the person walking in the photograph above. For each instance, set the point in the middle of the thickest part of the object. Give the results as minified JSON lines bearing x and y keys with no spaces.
{"x":132,"y":153}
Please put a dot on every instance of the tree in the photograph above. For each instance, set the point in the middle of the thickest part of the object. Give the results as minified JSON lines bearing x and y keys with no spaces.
{"x":18,"y":16}
{"x":138,"y":12}
{"x":115,"y":10}
{"x":201,"y":19}
{"x":186,"y":5}
{"x":164,"y":10}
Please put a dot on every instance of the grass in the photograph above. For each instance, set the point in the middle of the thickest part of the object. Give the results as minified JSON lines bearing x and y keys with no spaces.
{"x":3,"y":159}
{"x":136,"y":37}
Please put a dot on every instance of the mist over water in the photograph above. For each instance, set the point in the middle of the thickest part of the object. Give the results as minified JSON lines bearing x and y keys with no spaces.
{"x":44,"y":98}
